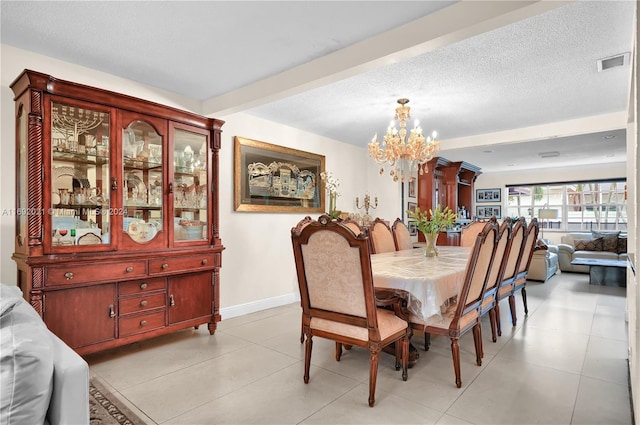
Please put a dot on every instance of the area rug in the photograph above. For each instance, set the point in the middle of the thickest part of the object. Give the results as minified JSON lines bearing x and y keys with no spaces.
{"x":106,"y":409}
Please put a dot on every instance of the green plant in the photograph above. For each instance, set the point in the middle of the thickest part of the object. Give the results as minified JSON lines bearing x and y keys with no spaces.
{"x":431,"y":221}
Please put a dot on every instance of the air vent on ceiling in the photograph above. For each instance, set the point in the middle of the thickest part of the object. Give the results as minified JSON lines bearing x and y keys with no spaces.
{"x":613,"y":61}
{"x":549,"y":154}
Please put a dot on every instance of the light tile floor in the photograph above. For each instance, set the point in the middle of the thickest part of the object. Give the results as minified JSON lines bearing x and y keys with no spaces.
{"x":566,"y":363}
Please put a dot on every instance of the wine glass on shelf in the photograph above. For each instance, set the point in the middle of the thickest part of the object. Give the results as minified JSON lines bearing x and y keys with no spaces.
{"x":54,"y":234}
{"x":61,"y":234}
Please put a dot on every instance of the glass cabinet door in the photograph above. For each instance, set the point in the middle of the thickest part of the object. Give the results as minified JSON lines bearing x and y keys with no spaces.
{"x":190,"y":186}
{"x":143,"y":181}
{"x":80,"y":176}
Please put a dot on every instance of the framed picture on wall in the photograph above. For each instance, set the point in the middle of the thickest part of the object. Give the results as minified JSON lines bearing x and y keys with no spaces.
{"x":412,"y":188}
{"x":272,"y":178}
{"x":488,"y":195}
{"x":487,"y":211}
{"x":413,"y":228}
{"x":411,"y":206}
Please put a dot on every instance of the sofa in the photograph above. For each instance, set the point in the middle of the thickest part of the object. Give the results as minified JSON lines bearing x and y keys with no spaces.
{"x":544,"y":261}
{"x":600,"y":245}
{"x":42,"y":380}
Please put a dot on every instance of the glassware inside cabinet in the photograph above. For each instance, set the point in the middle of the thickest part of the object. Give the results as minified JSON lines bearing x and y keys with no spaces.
{"x":143,"y":191}
{"x":190,"y":186}
{"x":80,"y":208}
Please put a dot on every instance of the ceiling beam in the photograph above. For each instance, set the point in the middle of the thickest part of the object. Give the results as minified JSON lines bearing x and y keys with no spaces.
{"x":585,"y":125}
{"x":446,"y":26}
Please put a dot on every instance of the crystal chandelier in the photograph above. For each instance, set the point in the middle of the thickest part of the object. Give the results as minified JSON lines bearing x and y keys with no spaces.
{"x":404,"y":156}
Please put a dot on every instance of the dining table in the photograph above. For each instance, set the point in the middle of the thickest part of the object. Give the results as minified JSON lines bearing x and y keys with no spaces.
{"x":430,"y":281}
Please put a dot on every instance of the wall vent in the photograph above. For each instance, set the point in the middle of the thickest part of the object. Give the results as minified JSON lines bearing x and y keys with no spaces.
{"x":613,"y":61}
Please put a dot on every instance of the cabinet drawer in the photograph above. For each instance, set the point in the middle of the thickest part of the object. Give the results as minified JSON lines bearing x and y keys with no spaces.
{"x":184,"y":264}
{"x":141,"y":303}
{"x":132,"y":325}
{"x":141,"y":286}
{"x":97,"y":272}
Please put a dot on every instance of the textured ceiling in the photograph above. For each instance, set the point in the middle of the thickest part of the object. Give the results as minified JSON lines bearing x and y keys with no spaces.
{"x":337,"y":68}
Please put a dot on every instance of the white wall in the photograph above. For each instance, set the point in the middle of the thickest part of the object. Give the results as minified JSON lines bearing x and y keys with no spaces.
{"x":258,"y":268}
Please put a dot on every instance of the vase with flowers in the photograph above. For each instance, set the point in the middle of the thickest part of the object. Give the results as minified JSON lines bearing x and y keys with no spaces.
{"x":331,"y":185}
{"x":432,"y":222}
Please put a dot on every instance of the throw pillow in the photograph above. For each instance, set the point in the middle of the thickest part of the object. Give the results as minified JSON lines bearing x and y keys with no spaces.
{"x":622,"y":246}
{"x":26,"y":362}
{"x":588,"y":244}
{"x":609,"y":240}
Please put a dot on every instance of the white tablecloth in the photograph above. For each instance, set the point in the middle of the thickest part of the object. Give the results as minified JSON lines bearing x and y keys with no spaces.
{"x":429,"y":280}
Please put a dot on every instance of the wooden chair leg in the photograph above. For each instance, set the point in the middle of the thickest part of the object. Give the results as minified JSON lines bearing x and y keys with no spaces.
{"x":492,"y":319}
{"x":498,"y":322}
{"x":373,"y":374}
{"x":307,"y":358}
{"x":455,"y":353}
{"x":301,"y":333}
{"x":524,"y":301}
{"x":477,"y":341}
{"x":338,"y":351}
{"x":427,"y":341}
{"x":405,"y":357}
{"x":512,"y":307}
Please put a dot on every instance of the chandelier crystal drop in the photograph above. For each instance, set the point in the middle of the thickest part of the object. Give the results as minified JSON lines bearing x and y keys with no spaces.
{"x":405,"y":157}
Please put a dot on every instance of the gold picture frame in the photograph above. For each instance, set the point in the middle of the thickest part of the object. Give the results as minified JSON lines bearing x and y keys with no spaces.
{"x":272,"y":178}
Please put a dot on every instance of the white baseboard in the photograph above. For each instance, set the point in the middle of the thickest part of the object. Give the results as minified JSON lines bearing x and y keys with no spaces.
{"x":252,"y":307}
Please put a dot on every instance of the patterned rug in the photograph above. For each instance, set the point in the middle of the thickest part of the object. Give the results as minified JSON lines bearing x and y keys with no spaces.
{"x":106,"y":409}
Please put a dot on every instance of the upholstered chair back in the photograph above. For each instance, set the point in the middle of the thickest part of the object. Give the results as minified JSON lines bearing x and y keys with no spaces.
{"x":381,"y":237}
{"x":333,"y":274}
{"x":529,"y":244}
{"x":478,"y":265}
{"x":401,"y":236}
{"x":499,"y":261}
{"x":470,"y":233}
{"x":353,"y":225}
{"x":514,"y":250}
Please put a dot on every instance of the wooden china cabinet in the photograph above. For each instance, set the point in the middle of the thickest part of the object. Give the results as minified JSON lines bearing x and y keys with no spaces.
{"x":117,"y":223}
{"x":449,"y":184}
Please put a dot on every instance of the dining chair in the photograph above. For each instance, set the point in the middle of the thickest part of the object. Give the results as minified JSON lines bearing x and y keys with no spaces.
{"x":513,"y":253}
{"x":470,"y":233}
{"x":401,"y":235}
{"x":333,"y":267}
{"x":463,"y":314}
{"x":352,"y":224}
{"x":524,"y":262}
{"x":298,"y":228}
{"x":381,"y":237}
{"x":490,"y":296}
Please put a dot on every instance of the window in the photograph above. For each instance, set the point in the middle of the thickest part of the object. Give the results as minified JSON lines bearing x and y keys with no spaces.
{"x":597,"y":205}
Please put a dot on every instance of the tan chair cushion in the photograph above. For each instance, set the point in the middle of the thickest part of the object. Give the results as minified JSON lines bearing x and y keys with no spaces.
{"x":388,"y":324}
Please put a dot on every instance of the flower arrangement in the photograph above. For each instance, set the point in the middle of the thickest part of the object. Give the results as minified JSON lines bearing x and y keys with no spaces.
{"x":433,"y":221}
{"x":331,"y":184}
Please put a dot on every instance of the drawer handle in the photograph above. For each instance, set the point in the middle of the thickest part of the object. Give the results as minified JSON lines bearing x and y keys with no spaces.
{"x":143,"y":286}
{"x":129,"y":269}
{"x":68,"y":275}
{"x":112,"y":312}
{"x":165,"y":266}
{"x":204,"y":262}
{"x":143,"y":323}
{"x":143,"y":303}
{"x":172,"y":302}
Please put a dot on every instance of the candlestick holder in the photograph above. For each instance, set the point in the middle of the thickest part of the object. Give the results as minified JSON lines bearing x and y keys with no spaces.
{"x":367,"y":203}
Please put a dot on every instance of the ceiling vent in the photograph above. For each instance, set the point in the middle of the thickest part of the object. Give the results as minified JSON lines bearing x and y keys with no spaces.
{"x":613,"y":61}
{"x":549,"y":154}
